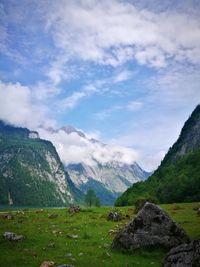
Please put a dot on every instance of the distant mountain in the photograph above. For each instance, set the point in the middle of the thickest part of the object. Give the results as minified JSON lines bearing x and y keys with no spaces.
{"x":31,"y":172}
{"x":108,"y":179}
{"x":177,"y":179}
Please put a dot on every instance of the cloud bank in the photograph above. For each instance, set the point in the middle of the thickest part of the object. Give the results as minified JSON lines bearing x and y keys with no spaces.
{"x":113,"y":32}
{"x":73,"y":148}
{"x":17,"y":107}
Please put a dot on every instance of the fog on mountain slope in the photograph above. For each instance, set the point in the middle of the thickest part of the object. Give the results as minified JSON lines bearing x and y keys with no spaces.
{"x":109,"y":170}
{"x":74,"y":147}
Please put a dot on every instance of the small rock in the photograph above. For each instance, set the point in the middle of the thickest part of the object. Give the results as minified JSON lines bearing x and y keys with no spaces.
{"x":108,"y":254}
{"x":198,"y":211}
{"x":74,"y":209}
{"x":51,"y":245}
{"x":47,"y":264}
{"x":114,"y":216}
{"x":68,"y":255}
{"x":7,"y":216}
{"x":72,"y":236}
{"x":80,"y":254}
{"x":12,"y":236}
{"x":20,"y":212}
{"x":39,"y":211}
{"x":111,"y":231}
{"x":185,"y":255}
{"x":196,"y":207}
{"x":105,"y":245}
{"x":53,"y":216}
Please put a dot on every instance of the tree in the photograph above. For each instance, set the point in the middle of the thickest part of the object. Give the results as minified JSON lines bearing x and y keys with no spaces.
{"x":97,"y":202}
{"x":90,"y":198}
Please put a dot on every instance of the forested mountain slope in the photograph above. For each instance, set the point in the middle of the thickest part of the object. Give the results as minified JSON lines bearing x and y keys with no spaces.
{"x":177,"y":179}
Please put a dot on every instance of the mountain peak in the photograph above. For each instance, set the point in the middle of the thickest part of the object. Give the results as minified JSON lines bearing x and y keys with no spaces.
{"x":70,"y":129}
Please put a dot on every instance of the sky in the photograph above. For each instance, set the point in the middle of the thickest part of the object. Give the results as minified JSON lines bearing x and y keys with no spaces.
{"x":124,"y":72}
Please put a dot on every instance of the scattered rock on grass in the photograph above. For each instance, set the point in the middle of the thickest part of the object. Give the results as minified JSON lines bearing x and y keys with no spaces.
{"x":72,"y":236}
{"x":69,"y":255}
{"x":7,"y":216}
{"x":198,"y":211}
{"x":114,"y":216}
{"x":185,"y":255}
{"x":53,"y":216}
{"x":12,"y":236}
{"x":47,"y":264}
{"x":74,"y":209}
{"x":151,"y":227}
{"x":39,"y":211}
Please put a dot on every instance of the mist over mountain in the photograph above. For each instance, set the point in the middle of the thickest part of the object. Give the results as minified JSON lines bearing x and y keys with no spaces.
{"x":109,"y":170}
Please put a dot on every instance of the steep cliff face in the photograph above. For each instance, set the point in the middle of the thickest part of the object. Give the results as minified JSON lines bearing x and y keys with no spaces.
{"x":31,"y":172}
{"x":177,"y":179}
{"x":188,"y":141}
{"x":114,"y":176}
{"x":108,"y":177}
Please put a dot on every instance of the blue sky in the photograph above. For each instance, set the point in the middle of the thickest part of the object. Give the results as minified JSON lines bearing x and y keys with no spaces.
{"x":125,"y":72}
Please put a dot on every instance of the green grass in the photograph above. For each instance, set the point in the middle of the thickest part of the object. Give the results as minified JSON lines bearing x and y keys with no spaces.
{"x":48,"y":239}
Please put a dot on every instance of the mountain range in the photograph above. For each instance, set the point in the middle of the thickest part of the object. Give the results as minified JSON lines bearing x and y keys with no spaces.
{"x":108,"y":179}
{"x":177,"y":179}
{"x":32,"y":173}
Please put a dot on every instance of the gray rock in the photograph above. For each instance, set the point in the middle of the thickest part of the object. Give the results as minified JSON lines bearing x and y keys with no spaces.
{"x":53,"y":216}
{"x":74,"y":209}
{"x":114,"y":216}
{"x":151,"y":227}
{"x":12,"y":236}
{"x":186,"y":255}
{"x":7,"y":216}
{"x":198,"y":211}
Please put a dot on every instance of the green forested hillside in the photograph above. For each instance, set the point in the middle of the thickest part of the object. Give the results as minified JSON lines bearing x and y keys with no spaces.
{"x":31,"y":172}
{"x":177,"y":179}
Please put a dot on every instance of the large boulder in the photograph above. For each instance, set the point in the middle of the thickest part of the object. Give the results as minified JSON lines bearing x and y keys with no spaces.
{"x":186,"y":255}
{"x":151,"y":227}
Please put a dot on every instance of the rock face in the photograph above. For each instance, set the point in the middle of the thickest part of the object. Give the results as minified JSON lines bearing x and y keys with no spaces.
{"x":108,"y":180}
{"x":186,"y":255}
{"x":151,"y":227}
{"x":32,"y":166}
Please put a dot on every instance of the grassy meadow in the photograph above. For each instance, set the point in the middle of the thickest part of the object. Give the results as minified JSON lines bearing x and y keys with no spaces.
{"x":81,"y":239}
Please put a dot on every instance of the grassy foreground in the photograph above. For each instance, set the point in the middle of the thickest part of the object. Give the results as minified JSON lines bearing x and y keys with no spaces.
{"x":81,"y":239}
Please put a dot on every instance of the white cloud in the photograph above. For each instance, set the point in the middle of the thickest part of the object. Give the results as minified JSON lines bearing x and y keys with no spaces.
{"x":73,"y":148}
{"x":135,"y":105}
{"x":103,"y":114}
{"x":16,"y":106}
{"x":122,"y":76}
{"x":112,"y":32}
